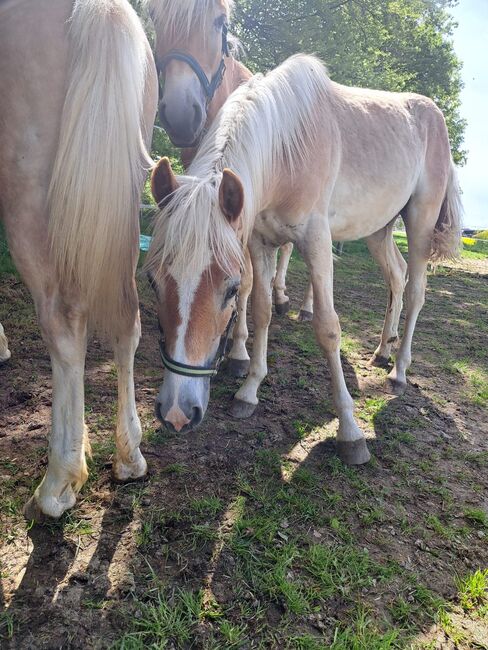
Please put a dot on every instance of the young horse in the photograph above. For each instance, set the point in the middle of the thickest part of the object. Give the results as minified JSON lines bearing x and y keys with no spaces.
{"x":312,"y":160}
{"x":79,"y":95}
{"x":199,"y":73}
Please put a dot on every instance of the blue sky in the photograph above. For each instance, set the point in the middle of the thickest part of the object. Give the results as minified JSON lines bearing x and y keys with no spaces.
{"x":471,"y":44}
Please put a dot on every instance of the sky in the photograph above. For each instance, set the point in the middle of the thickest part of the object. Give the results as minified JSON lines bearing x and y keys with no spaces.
{"x":471,"y":45}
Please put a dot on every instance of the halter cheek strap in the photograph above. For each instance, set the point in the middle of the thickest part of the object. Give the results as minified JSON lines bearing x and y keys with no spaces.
{"x":209,"y":87}
{"x":199,"y":371}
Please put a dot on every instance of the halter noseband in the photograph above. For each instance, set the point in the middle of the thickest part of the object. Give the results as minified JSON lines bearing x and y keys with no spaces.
{"x":209,"y":87}
{"x":200,"y":371}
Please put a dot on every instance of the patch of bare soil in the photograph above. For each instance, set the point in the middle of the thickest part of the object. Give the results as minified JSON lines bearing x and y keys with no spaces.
{"x":75,"y":584}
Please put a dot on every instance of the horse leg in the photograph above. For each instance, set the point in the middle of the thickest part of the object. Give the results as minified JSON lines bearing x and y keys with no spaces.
{"x":64,"y":329}
{"x":419,"y":222}
{"x":264,"y":266}
{"x":351,"y":443}
{"x":394,"y":268}
{"x":129,"y":462}
{"x":4,"y":351}
{"x":306,"y":310}
{"x":238,"y":361}
{"x":281,"y":300}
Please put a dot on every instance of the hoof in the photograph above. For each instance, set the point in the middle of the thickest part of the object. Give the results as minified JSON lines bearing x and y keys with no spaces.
{"x":129,"y":473}
{"x":33,"y":512}
{"x":305,"y":316}
{"x":354,"y":452}
{"x":241,"y":409}
{"x":238,"y":367}
{"x":282,"y":308}
{"x":395,"y":387}
{"x":5,"y":357}
{"x":52,"y":507}
{"x":378,"y":361}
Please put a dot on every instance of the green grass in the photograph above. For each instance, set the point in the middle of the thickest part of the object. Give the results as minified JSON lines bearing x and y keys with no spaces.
{"x":473,"y":591}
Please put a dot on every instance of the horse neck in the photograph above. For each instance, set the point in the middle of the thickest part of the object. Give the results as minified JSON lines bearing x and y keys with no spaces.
{"x":235,"y":74}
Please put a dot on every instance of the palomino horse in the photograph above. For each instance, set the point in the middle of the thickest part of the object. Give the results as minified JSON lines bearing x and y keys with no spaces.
{"x":78,"y":100}
{"x":311,"y":160}
{"x":199,"y":73}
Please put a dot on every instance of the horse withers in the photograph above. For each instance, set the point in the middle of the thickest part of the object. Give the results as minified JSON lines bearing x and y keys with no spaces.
{"x":311,"y":161}
{"x":78,"y":100}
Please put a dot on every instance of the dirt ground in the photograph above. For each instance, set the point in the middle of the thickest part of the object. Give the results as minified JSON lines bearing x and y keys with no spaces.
{"x":241,"y":513}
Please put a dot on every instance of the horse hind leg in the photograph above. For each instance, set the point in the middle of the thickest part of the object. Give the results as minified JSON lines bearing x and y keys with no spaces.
{"x":129,"y":463}
{"x":420,"y":219}
{"x":281,"y":299}
{"x":65,"y":335}
{"x":5,"y":353}
{"x":394,"y":268}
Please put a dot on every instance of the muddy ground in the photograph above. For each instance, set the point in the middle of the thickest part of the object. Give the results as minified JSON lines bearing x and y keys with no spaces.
{"x":239,"y":514}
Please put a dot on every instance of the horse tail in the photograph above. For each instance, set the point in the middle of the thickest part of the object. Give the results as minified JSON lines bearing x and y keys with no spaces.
{"x":101,"y":162}
{"x":446,"y":242}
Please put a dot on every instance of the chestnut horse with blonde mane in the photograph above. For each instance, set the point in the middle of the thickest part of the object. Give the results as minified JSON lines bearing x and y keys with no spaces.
{"x":198,"y":73}
{"x":293,"y":156}
{"x":78,"y":100}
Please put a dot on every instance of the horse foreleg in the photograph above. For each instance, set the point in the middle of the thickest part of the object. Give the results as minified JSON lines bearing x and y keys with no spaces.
{"x":317,"y":251}
{"x":65,"y":334}
{"x":129,"y":463}
{"x":281,"y":300}
{"x":264,"y":266}
{"x":394,"y":268}
{"x":4,"y":351}
{"x":238,"y":363}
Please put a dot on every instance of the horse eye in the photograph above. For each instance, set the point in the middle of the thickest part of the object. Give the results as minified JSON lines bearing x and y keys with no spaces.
{"x":219,"y":22}
{"x":231,"y":292}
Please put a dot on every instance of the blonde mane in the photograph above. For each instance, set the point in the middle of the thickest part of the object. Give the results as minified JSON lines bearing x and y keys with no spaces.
{"x":265,"y":125}
{"x":180,"y":17}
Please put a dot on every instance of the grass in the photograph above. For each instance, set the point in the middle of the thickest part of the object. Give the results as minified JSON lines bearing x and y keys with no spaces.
{"x":309,"y":555}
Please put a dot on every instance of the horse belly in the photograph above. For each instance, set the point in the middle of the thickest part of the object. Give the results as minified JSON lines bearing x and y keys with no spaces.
{"x":357,"y":211}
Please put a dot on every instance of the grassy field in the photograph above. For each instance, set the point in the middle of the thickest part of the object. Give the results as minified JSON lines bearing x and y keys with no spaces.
{"x":253,"y":534}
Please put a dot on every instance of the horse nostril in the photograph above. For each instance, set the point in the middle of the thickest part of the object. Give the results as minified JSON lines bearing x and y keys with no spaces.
{"x":197,"y":119}
{"x":197,"y":416}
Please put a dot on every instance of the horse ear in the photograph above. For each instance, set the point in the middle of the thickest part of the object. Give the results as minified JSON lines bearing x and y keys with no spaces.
{"x":163,"y":181}
{"x":231,"y":196}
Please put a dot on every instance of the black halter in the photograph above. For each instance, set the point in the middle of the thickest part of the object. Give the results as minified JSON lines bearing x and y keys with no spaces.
{"x":200,"y":371}
{"x":209,"y":87}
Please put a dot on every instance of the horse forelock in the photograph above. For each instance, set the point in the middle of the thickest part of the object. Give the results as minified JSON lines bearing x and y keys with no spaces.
{"x":191,"y":232}
{"x":181,"y":17}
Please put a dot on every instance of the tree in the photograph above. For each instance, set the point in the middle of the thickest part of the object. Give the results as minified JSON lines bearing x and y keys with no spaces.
{"x":400,"y":45}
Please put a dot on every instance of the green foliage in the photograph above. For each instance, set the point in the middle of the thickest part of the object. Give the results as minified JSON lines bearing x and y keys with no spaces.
{"x":398,"y":45}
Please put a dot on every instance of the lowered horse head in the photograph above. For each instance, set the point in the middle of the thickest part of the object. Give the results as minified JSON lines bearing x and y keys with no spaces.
{"x":191,"y":54}
{"x":194,"y":266}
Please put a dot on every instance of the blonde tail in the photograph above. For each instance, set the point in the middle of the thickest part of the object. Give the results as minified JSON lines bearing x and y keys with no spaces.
{"x":446,"y":242}
{"x":100,"y":162}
